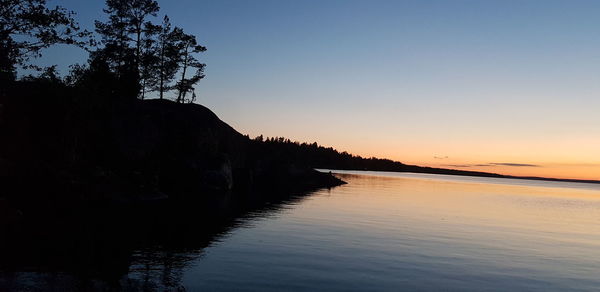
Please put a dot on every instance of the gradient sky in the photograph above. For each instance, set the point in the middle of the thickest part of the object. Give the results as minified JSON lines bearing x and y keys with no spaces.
{"x":503,"y":86}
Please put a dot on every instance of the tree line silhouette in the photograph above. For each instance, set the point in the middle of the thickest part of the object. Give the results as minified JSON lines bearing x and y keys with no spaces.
{"x":130,"y":56}
{"x":320,"y":157}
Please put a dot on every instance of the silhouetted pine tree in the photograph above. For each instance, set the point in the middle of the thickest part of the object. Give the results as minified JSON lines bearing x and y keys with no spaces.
{"x":115,"y":35}
{"x":188,"y":48}
{"x":168,"y":56}
{"x":149,"y":59}
{"x":136,"y":13}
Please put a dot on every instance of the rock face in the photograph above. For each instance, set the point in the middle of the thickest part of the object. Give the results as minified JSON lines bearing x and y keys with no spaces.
{"x":140,"y":151}
{"x":185,"y":146}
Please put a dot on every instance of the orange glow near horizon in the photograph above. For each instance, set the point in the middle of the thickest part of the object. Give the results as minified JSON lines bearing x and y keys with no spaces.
{"x":468,"y":88}
{"x":565,"y":158}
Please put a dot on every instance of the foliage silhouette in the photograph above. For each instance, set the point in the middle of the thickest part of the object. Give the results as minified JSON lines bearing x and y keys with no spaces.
{"x":320,"y":157}
{"x":188,"y":47}
{"x":27,"y":27}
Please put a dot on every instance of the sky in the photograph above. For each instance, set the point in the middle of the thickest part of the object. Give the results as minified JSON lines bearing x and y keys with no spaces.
{"x":510,"y":87}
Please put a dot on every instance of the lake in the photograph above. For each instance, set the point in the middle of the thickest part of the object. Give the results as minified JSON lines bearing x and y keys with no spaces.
{"x":389,"y":232}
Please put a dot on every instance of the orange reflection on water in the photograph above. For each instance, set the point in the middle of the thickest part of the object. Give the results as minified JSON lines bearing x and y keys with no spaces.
{"x":506,"y":210}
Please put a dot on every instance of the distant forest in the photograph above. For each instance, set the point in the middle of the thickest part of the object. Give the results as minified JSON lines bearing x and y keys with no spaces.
{"x":320,"y":157}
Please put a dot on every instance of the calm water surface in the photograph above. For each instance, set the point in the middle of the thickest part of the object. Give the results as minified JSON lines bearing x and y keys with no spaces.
{"x":386,"y":231}
{"x":380,"y":232}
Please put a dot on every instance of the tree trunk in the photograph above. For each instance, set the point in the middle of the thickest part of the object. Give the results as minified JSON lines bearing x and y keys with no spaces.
{"x":162,"y":70}
{"x":143,"y":88}
{"x":161,"y":85}
{"x":181,"y":84}
{"x":138,"y":42}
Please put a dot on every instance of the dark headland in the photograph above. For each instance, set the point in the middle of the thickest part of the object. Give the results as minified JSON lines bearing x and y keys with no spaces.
{"x":86,"y":180}
{"x":58,"y":148}
{"x":62,"y":148}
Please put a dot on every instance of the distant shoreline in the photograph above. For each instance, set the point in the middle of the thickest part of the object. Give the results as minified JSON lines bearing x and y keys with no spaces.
{"x":476,"y":174}
{"x":322,"y":157}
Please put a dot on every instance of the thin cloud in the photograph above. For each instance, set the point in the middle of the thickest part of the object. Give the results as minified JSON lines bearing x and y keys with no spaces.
{"x":458,"y":165}
{"x":492,"y":164}
{"x":514,"y":164}
{"x":440,"y":157}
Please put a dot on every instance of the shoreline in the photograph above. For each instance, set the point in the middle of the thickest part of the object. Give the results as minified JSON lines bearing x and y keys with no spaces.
{"x":484,"y":174}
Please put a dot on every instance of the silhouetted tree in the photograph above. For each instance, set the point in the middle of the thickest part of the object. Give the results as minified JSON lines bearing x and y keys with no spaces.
{"x":127,"y":23}
{"x":188,"y":48}
{"x":27,"y":27}
{"x":122,"y":64}
{"x":149,"y":59}
{"x":136,"y":14}
{"x":96,"y":78}
{"x":115,"y":35}
{"x":168,"y":56}
{"x":128,"y":41}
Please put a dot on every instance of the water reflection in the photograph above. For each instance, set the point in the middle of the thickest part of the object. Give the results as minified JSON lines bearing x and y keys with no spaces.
{"x":393,"y":232}
{"x":130,"y":248}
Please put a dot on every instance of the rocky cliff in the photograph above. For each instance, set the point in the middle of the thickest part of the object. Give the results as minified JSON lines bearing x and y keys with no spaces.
{"x":58,"y":147}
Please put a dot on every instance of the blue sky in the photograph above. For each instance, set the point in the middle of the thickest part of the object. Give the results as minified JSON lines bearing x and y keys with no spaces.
{"x":477,"y":81}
